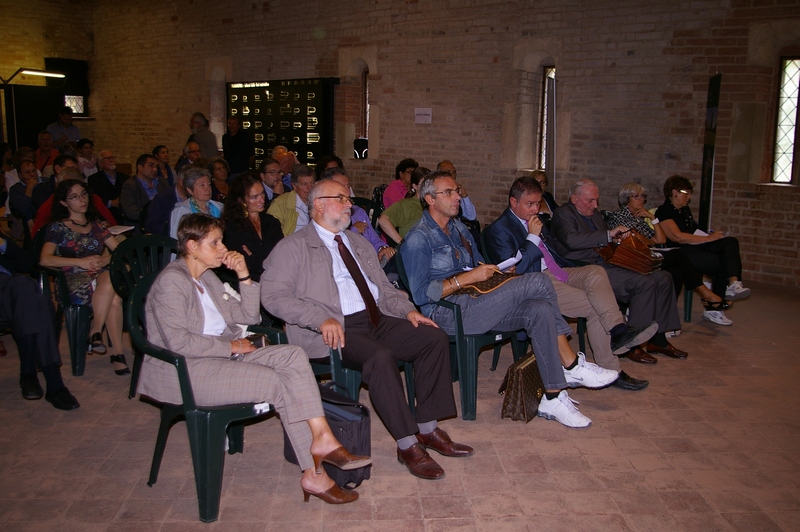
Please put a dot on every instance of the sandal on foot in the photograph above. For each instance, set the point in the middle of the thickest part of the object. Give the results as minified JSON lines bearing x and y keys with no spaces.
{"x":120,"y":366}
{"x":96,"y":345}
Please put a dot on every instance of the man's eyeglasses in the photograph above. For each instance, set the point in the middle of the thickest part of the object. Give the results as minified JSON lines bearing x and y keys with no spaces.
{"x":639,"y":196}
{"x":341,"y":198}
{"x":447,"y":193}
{"x":685,"y":191}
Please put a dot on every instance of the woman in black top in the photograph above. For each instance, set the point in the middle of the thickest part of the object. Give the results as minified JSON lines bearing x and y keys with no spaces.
{"x":248,"y":229}
{"x":713,"y":254}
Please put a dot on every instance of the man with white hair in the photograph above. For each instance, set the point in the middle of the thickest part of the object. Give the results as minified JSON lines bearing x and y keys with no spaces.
{"x":580,"y":227}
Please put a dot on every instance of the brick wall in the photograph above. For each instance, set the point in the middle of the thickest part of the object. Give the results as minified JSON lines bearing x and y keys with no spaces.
{"x":632,"y":80}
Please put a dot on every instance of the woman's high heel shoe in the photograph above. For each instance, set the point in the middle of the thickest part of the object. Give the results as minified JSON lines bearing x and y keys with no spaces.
{"x":716,"y":305}
{"x":341,"y":458}
{"x":120,"y":365}
{"x":333,"y":495}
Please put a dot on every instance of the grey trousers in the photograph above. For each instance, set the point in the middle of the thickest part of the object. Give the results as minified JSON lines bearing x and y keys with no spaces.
{"x":527,"y":302}
{"x":280,"y":375}
{"x":649,"y":297}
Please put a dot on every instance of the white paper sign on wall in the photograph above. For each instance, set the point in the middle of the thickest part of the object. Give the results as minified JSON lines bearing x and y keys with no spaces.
{"x":422,"y":115}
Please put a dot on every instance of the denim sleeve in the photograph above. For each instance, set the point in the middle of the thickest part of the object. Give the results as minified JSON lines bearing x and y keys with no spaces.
{"x":416,"y":255}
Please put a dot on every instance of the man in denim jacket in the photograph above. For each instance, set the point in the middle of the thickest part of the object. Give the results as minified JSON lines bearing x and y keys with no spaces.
{"x":440,"y":256}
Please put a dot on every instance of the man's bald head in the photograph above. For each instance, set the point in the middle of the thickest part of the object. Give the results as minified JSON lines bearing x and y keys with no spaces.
{"x":325,"y":207}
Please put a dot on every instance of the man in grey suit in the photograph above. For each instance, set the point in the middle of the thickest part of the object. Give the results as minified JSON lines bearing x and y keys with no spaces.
{"x":580,"y":227}
{"x":326,"y":283}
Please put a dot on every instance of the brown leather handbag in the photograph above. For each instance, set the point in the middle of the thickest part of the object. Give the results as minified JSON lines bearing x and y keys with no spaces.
{"x":632,"y":253}
{"x":484,"y":287}
{"x":523,"y":389}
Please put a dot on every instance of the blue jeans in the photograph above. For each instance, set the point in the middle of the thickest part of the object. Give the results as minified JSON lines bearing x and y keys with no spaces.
{"x":527,"y":302}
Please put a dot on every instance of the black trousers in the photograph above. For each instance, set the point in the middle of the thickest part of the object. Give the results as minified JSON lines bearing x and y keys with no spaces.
{"x":677,"y":263}
{"x":30,"y":317}
{"x":377,"y":350}
{"x":719,"y":259}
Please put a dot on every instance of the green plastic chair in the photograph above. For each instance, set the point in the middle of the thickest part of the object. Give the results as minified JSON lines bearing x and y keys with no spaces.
{"x":466,"y":348}
{"x":77,"y":318}
{"x":207,"y":426}
{"x":133,"y":259}
{"x":487,"y":252}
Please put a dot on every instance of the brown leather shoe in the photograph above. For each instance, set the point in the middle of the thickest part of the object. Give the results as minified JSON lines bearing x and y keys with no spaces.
{"x":439,"y":441}
{"x":419,"y":462}
{"x":341,"y":458}
{"x":671,"y":351}
{"x":333,"y":495}
{"x":640,"y":355}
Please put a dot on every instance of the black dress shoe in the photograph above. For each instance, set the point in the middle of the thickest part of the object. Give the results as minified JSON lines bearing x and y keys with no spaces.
{"x":621,"y":343}
{"x":626,"y":382}
{"x":31,"y":389}
{"x":671,"y":351}
{"x":62,"y":399}
{"x":640,"y":355}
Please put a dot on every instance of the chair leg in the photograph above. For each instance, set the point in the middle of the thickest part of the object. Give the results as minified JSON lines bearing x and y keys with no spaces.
{"x":169,"y":413}
{"x":582,"y":334}
{"x":78,"y":321}
{"x":207,"y":441}
{"x":687,"y":305}
{"x":137,"y":368}
{"x":235,"y":438}
{"x":496,"y":356}
{"x":519,"y":346}
{"x":468,"y":380}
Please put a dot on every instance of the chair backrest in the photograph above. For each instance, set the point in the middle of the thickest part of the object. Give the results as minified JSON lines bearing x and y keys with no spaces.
{"x":485,"y":250}
{"x":401,"y":269}
{"x":135,"y":321}
{"x":377,"y":194}
{"x":137,"y":257}
{"x":62,"y":289}
{"x":372,"y":208}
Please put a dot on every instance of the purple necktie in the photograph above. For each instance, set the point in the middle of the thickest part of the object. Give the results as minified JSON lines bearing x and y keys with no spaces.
{"x":557,"y":271}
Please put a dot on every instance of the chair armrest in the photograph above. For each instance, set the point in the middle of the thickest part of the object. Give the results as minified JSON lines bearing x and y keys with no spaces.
{"x":276,"y":336}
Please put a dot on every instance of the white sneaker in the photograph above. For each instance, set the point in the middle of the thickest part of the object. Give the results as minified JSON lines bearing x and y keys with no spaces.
{"x":562,"y":410}
{"x":716,"y":316}
{"x":589,"y":375}
{"x":736,"y":291}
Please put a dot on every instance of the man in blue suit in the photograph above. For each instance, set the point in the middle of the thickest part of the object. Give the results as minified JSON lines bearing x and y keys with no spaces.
{"x":582,"y":292}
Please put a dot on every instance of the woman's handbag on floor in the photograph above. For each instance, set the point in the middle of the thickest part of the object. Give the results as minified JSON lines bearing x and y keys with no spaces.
{"x":349,"y":421}
{"x":631,"y":253}
{"x":523,"y":388}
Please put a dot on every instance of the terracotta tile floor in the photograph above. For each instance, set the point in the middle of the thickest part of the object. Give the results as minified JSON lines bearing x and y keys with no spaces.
{"x":712,"y":444}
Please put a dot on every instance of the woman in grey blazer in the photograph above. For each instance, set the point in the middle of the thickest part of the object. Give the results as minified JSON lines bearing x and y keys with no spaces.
{"x":189,"y":311}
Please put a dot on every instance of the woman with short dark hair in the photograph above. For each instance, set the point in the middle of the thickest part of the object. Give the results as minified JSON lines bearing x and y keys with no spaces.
{"x":713,"y":254}
{"x":190,"y":311}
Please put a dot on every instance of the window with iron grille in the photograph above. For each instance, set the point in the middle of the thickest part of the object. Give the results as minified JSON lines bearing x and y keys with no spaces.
{"x":785,"y":159}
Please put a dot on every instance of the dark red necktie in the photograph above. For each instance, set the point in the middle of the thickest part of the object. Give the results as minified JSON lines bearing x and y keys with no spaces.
{"x":361,"y":282}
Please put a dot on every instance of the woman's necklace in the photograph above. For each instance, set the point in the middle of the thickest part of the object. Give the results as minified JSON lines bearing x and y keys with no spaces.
{"x":80,"y":224}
